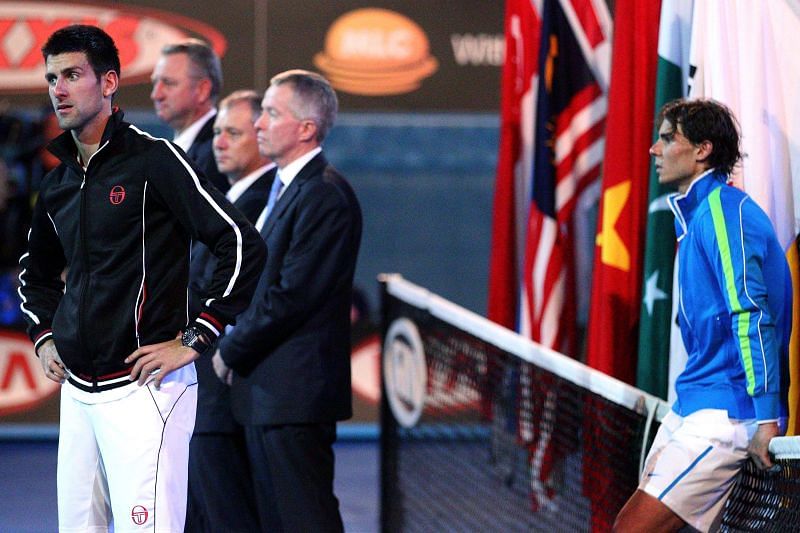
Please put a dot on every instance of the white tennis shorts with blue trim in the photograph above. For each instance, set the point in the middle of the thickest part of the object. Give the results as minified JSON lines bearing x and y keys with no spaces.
{"x":693,"y":464}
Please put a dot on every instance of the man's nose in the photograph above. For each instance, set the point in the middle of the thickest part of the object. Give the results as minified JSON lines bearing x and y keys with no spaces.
{"x":60,"y":88}
{"x":155,"y":94}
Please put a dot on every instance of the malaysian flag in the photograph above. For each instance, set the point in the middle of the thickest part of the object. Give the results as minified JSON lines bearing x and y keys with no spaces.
{"x":555,"y":80}
{"x":574,"y":54}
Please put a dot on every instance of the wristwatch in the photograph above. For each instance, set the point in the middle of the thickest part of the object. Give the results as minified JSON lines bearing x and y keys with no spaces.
{"x":194,"y":338}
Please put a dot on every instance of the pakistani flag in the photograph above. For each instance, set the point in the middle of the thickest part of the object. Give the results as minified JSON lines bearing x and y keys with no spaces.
{"x":656,"y":310}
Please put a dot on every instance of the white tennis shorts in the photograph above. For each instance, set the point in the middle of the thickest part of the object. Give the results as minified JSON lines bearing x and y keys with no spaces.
{"x":123,"y":456}
{"x":693,"y":464}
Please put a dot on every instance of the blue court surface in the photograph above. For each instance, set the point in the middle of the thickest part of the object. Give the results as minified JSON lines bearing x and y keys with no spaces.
{"x":28,"y":484}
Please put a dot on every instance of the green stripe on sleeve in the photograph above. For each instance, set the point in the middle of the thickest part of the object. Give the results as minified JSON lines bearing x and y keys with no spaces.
{"x":743,"y":319}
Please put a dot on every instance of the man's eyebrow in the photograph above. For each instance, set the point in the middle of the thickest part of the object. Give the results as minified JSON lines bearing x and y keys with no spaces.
{"x":64,"y":71}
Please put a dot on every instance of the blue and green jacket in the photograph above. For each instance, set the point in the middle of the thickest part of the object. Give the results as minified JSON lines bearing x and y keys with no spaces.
{"x":735,"y":303}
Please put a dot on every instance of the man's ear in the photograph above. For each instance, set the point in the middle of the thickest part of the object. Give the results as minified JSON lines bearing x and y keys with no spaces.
{"x":704,"y":150}
{"x":110,"y":81}
{"x":204,"y":88}
{"x":308,"y":131}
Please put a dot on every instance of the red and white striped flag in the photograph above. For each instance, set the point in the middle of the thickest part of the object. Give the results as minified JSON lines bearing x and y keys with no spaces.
{"x":568,"y":145}
{"x":555,"y":80}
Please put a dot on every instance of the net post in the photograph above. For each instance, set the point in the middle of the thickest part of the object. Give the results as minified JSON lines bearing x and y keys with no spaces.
{"x":389,"y":516}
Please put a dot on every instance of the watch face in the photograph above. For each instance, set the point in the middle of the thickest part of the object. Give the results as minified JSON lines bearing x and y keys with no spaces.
{"x":193,"y":338}
{"x":189,"y":337}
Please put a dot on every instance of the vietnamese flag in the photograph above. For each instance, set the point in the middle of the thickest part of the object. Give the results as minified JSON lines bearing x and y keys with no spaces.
{"x":617,"y":273}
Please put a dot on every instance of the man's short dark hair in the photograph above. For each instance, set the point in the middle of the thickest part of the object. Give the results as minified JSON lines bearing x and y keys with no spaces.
{"x":314,"y":98}
{"x":99,"y":47}
{"x":707,"y":120}
{"x":204,"y":61}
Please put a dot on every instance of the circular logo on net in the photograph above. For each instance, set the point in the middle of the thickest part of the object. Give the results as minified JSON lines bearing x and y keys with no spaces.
{"x":405,"y":373}
{"x":117,"y":194}
{"x":139,"y":515}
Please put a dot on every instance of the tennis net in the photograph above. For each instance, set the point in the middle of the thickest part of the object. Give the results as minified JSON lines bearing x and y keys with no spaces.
{"x":484,"y":430}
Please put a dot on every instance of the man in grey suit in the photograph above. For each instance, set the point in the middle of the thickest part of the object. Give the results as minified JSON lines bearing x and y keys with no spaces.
{"x":288,"y":358}
{"x":220,"y":491}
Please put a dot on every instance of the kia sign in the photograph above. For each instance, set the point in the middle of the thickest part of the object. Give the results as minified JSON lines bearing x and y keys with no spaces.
{"x":23,"y":384}
{"x":138,"y":33}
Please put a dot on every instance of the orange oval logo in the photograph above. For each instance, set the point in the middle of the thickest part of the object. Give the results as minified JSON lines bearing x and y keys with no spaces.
{"x":22,"y":381}
{"x":376,"y":52}
{"x":139,"y":34}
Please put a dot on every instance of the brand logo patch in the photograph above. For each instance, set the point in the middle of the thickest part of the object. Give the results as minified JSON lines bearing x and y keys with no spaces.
{"x":405,"y":372}
{"x":139,"y":515}
{"x":376,"y":52}
{"x":117,"y":194}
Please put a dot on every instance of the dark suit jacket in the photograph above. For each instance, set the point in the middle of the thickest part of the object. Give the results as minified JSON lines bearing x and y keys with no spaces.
{"x":213,"y":396}
{"x":290,"y":349}
{"x":202,"y":153}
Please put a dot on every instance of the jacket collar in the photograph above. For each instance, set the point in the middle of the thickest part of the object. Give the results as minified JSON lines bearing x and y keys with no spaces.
{"x":685,"y":205}
{"x":63,"y":146}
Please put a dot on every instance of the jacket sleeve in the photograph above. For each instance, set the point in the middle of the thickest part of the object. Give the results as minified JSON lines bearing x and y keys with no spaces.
{"x":315,"y":271}
{"x":210,"y":218}
{"x":41,"y":286}
{"x":740,"y":233}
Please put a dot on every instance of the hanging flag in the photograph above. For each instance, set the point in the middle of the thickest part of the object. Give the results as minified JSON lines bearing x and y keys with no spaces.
{"x":568,"y":149}
{"x":616,"y":284}
{"x":571,"y":106}
{"x":514,"y":168}
{"x":617,"y":275}
{"x":655,"y":323}
{"x":555,"y":80}
{"x":793,"y":426}
{"x":739,"y":57}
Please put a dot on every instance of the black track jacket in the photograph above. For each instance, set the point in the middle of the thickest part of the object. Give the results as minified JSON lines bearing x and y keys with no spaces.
{"x":123,"y":231}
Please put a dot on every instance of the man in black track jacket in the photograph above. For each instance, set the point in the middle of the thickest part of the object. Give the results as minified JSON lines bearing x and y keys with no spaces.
{"x":118,"y":215}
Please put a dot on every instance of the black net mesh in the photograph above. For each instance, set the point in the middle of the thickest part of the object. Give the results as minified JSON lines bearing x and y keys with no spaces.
{"x":501,"y":444}
{"x":765,"y":501}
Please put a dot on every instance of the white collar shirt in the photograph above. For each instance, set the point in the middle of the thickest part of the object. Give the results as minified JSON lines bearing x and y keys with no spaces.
{"x":185,"y":138}
{"x":241,"y":185}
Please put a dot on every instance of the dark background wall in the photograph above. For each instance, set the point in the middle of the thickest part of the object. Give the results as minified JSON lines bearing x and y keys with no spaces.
{"x":426,"y":183}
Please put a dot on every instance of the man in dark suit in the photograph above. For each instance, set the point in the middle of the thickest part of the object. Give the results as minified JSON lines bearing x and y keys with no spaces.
{"x":187,"y":81}
{"x":220,"y":491}
{"x":288,"y":358}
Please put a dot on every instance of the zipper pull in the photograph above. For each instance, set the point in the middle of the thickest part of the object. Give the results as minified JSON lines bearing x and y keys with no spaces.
{"x":84,"y":180}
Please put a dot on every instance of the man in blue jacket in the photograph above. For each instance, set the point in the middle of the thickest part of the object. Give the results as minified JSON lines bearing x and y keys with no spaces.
{"x":734,"y":315}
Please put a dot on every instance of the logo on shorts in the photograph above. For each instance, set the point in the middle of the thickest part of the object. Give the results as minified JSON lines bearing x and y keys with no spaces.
{"x":139,"y":515}
{"x":117,"y":194}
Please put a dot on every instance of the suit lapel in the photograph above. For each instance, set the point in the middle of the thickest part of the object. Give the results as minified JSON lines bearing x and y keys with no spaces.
{"x":205,"y":133}
{"x":313,"y":168}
